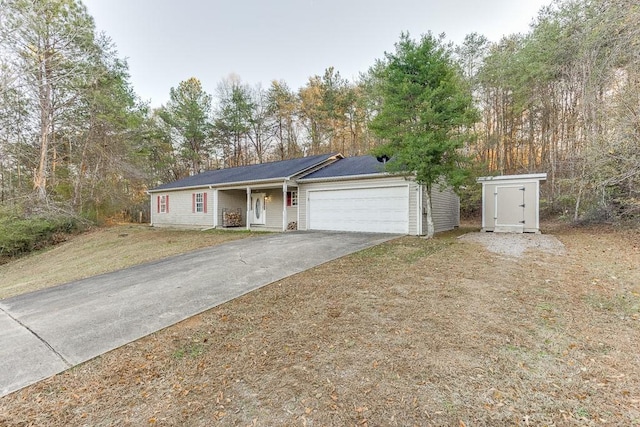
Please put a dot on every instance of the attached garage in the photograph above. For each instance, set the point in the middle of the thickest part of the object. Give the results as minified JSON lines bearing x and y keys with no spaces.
{"x":369,"y":209}
{"x":356,"y":194}
{"x":511,"y":203}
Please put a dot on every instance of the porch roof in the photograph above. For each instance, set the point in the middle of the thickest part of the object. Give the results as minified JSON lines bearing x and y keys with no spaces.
{"x":283,"y":169}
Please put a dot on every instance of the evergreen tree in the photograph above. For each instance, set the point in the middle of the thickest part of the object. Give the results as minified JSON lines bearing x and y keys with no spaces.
{"x":425,"y":112}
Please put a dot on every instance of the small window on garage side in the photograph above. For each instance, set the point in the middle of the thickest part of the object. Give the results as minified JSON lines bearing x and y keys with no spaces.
{"x":292,"y":198}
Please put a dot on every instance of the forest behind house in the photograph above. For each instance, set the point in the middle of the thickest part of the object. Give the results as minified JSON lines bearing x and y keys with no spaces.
{"x":75,"y":139}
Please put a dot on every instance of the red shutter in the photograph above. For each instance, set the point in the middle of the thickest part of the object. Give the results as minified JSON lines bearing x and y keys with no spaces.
{"x":288,"y":198}
{"x":193,"y":202}
{"x":204,"y":201}
{"x":158,"y":204}
{"x":167,"y":199}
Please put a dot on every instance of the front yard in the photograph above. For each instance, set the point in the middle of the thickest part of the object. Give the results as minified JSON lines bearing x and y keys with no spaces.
{"x":412,"y":332}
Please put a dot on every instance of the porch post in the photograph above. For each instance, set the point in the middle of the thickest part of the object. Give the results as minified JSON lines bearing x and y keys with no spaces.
{"x":248,"y":208}
{"x":215,"y":208}
{"x":285,"y":222}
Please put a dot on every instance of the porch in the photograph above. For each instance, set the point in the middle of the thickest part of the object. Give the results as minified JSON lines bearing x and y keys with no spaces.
{"x":260,"y":207}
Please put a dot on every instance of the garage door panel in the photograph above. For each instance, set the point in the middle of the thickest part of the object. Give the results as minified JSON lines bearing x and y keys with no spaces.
{"x":380,"y":209}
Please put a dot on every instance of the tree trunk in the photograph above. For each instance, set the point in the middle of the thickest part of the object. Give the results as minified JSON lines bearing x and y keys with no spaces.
{"x":430,"y":227}
{"x":40,"y":176}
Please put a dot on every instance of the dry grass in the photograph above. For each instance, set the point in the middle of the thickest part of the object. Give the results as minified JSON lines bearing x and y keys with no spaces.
{"x":100,"y":251}
{"x":411,"y":332}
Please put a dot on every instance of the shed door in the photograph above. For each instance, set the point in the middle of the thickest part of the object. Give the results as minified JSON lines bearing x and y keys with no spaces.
{"x":509,"y":208}
{"x":375,"y":209}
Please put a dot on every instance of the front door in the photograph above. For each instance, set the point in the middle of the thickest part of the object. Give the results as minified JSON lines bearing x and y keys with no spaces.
{"x":258,"y":209}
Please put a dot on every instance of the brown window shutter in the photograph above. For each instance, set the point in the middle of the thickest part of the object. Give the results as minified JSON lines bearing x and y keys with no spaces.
{"x":193,"y":202}
{"x":158,"y":204}
{"x":204,"y":202}
{"x":167,"y":200}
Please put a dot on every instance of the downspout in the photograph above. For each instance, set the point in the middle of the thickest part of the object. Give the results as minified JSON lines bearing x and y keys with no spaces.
{"x":420,"y":231}
{"x":215,"y":210}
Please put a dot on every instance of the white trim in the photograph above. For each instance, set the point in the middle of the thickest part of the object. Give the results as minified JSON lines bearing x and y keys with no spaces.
{"x":284,"y":206}
{"x":249,"y":214}
{"x":484,"y":215}
{"x":226,"y":186}
{"x":527,"y":177}
{"x":298,"y":209}
{"x":215,"y":208}
{"x":538,"y":206}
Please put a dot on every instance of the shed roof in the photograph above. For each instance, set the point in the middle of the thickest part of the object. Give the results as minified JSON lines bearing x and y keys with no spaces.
{"x":349,"y":166}
{"x":261,"y":172}
{"x":522,"y":177}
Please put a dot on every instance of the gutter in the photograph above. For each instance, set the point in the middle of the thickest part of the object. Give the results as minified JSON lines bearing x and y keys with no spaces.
{"x":212,"y":186}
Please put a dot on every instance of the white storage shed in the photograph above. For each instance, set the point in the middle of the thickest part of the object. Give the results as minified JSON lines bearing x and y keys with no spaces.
{"x":511,"y":203}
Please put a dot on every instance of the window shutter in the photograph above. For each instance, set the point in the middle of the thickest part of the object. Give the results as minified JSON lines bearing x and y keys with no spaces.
{"x":288,"y":198}
{"x":204,"y":201}
{"x":158,"y":204}
{"x":193,"y":202}
{"x":167,"y":199}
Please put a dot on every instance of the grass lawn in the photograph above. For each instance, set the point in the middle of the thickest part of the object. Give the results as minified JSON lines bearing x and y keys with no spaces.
{"x":411,"y":332}
{"x":103,"y":250}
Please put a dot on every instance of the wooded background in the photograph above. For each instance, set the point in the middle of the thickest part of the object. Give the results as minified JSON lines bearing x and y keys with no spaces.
{"x":562,"y":99}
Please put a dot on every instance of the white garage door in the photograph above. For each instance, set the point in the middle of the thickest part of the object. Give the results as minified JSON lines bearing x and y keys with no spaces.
{"x":379,"y":210}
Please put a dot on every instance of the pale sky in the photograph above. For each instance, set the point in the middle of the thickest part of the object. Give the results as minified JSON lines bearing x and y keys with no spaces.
{"x":168,"y":41}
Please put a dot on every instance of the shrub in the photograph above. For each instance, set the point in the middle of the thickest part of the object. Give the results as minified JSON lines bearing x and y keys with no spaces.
{"x":20,"y":235}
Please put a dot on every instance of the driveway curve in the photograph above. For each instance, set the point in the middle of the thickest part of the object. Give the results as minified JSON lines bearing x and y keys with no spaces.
{"x":46,"y":332}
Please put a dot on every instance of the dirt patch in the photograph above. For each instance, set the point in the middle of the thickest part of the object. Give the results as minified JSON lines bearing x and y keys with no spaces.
{"x":411,"y":332}
{"x":516,"y":245}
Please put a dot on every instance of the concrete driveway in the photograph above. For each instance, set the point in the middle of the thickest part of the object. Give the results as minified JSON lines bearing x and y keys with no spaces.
{"x":46,"y":332}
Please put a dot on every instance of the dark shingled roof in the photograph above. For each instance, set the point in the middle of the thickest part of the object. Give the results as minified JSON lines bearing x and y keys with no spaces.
{"x":360,"y":165}
{"x":263,"y":171}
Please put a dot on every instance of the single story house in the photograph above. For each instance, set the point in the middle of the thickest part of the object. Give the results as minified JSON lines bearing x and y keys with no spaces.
{"x":322,"y":192}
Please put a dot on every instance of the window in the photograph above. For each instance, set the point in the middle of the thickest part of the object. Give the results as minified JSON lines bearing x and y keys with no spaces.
{"x":163,"y":204}
{"x":292,"y":198}
{"x":199,"y":203}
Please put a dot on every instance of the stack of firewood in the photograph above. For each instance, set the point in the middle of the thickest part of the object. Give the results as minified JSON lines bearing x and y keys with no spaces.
{"x":231,"y":218}
{"x":292,"y":225}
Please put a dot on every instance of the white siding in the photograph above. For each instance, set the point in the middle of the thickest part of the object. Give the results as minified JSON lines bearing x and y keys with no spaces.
{"x":180,"y":212}
{"x":445,"y":205}
{"x":413,"y":208}
{"x":274,"y":208}
{"x":232,"y":199}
